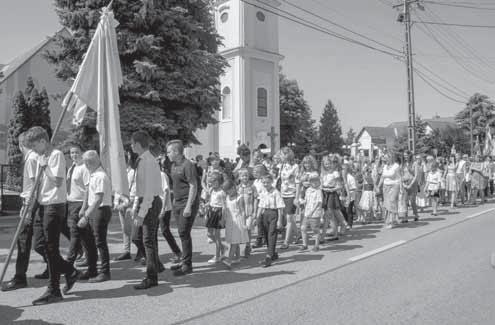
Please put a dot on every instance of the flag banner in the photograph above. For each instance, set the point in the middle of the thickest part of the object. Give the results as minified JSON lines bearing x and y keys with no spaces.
{"x":97,"y":87}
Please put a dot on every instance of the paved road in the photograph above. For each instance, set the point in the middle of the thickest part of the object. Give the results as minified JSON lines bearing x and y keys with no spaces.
{"x":436,"y":271}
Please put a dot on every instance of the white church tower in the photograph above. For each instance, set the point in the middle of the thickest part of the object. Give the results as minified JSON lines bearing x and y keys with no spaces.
{"x":250,"y":110}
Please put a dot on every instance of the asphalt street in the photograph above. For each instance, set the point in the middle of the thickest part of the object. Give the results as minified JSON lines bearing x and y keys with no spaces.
{"x":435,"y":271}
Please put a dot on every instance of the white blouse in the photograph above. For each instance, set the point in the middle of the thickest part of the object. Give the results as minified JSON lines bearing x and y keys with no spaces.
{"x":391,"y":174}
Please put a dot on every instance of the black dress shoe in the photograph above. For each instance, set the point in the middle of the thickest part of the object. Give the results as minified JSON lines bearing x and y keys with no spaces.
{"x":146,"y":284}
{"x":42,"y":276}
{"x":268,"y":261}
{"x":48,"y":298}
{"x":183,"y":271}
{"x":14,"y":284}
{"x":275,"y":257}
{"x":123,"y":257}
{"x":102,"y":277}
{"x":84,"y":276}
{"x":160,"y":268}
{"x":70,"y":279}
{"x":143,"y":261}
{"x":176,"y":267}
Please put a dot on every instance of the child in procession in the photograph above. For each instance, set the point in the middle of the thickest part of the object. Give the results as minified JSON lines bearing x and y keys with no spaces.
{"x":367,"y":202}
{"x":270,"y":209}
{"x":432,"y":186}
{"x":313,"y":212}
{"x":214,"y":218}
{"x":236,"y":228}
{"x":250,"y":195}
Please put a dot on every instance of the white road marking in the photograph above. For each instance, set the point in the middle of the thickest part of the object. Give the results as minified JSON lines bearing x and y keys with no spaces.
{"x":378,"y":250}
{"x":479,"y":213}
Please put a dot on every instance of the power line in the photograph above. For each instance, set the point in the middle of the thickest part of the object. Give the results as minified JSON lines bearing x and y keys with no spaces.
{"x":453,"y":24}
{"x":458,"y":5}
{"x":340,"y":26}
{"x":440,"y":78}
{"x":429,"y":33}
{"x":306,"y":23}
{"x":429,"y":83}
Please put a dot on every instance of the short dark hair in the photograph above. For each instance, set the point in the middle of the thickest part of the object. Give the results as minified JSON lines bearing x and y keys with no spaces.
{"x":35,"y":134}
{"x":75,"y":145}
{"x":141,"y":137}
{"x":176,"y":144}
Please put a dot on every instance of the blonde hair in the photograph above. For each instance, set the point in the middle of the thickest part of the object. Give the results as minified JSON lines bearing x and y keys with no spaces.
{"x":91,"y":157}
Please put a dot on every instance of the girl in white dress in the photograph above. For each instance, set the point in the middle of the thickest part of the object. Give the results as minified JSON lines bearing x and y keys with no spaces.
{"x":236,"y":230}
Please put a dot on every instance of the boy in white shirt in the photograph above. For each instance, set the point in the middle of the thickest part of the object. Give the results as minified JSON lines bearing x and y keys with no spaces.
{"x":270,"y":209}
{"x":97,"y":211}
{"x":32,"y":223}
{"x":52,"y":199}
{"x":313,"y":212}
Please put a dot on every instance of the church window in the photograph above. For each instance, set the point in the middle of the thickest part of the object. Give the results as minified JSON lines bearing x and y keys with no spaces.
{"x":262,"y":102}
{"x":224,"y":17}
{"x":260,"y":16}
{"x":226,"y":104}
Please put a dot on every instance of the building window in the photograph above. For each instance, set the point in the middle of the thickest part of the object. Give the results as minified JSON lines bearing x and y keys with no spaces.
{"x":260,"y":16}
{"x":224,"y":17}
{"x":262,"y":102}
{"x":226,"y":104}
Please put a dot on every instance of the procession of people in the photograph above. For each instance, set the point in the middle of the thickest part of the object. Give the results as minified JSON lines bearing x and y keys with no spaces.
{"x":256,"y":202}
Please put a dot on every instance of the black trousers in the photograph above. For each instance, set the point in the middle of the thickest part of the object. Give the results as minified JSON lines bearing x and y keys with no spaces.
{"x":53,"y":218}
{"x":150,"y":231}
{"x":77,"y":235}
{"x":185,"y":226}
{"x":270,"y":218}
{"x":33,"y":227}
{"x":165,"y":228}
{"x":350,"y":213}
{"x":260,"y":228}
{"x":97,"y":239}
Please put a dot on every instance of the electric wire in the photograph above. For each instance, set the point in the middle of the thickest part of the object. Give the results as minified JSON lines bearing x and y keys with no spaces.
{"x":458,"y":5}
{"x":453,"y":24}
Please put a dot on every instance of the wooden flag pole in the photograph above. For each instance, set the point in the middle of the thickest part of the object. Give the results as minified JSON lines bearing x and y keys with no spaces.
{"x":32,"y":198}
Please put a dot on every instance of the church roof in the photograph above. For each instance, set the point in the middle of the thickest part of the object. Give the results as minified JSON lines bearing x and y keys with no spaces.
{"x":6,"y":70}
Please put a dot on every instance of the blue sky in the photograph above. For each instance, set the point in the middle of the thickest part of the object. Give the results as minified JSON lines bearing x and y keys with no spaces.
{"x":367,"y":87}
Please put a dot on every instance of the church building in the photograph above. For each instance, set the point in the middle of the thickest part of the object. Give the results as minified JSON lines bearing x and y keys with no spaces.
{"x":250,"y":111}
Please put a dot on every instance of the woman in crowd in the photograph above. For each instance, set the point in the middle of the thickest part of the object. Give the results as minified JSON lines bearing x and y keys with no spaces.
{"x":376,"y":174}
{"x":391,"y":182}
{"x":451,"y":185}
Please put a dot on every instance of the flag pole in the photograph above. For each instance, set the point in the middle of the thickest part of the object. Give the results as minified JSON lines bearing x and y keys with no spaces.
{"x":32,"y":198}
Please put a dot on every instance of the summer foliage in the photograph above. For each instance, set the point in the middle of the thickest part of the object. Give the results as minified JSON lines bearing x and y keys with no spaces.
{"x":296,"y":125}
{"x":168,"y":51}
{"x":30,"y":108}
{"x":330,"y":131}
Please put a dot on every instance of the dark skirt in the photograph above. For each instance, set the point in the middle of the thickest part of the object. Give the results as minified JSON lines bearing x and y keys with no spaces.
{"x":331,"y":201}
{"x":213,"y":218}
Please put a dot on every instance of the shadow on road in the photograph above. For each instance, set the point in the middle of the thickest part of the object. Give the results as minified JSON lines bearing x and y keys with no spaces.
{"x":9,"y":315}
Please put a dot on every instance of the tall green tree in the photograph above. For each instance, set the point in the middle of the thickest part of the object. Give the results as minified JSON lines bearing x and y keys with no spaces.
{"x":296,"y":126}
{"x":170,"y":64}
{"x":401,"y":142}
{"x":30,"y":108}
{"x":330,"y":131}
{"x":483,"y":115}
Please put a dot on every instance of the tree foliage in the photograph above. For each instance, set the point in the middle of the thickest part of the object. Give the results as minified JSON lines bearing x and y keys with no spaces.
{"x":350,"y":137}
{"x":168,"y":52}
{"x":330,"y":131}
{"x":296,"y":125}
{"x":30,"y":108}
{"x":483,"y":115}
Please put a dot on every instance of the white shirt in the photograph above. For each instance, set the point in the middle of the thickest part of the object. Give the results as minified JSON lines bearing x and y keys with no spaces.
{"x":434,"y":179}
{"x":391,"y":174}
{"x":313,"y":197}
{"x":258,"y":184}
{"x":329,"y":180}
{"x":351,"y":182}
{"x":99,"y":183}
{"x":217,"y":198}
{"x":29,"y":173}
{"x":271,"y":200}
{"x":78,"y":183}
{"x":288,"y":175}
{"x":49,"y":193}
{"x":167,"y":201}
{"x":148,"y":184}
{"x":460,"y":166}
{"x":131,"y":178}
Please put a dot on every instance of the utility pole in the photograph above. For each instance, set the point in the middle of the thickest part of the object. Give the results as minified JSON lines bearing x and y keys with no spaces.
{"x":405,"y":17}
{"x":471,"y":127}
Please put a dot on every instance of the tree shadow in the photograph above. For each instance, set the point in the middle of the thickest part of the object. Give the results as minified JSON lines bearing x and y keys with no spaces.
{"x":338,"y":247}
{"x":9,"y":315}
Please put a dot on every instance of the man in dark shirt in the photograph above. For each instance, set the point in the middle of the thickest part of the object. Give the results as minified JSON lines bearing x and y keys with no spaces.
{"x":186,"y":201}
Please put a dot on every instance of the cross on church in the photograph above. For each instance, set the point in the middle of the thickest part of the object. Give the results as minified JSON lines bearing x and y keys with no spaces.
{"x":272,"y":136}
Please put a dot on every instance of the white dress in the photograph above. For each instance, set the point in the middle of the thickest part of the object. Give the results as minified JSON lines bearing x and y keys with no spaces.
{"x":236,"y":231}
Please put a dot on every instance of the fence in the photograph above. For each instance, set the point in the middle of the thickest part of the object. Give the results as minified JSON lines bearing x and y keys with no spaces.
{"x":10,"y":187}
